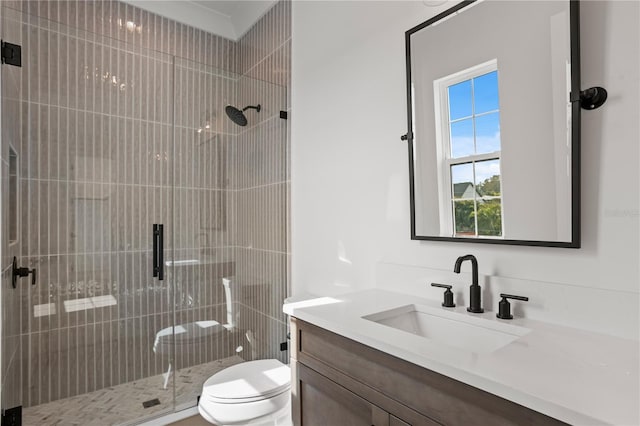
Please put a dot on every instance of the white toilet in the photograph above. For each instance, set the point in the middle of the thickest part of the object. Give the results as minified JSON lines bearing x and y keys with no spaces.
{"x":256,"y":393}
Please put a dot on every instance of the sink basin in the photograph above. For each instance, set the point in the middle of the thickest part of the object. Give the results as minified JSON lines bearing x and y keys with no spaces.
{"x":455,"y":329}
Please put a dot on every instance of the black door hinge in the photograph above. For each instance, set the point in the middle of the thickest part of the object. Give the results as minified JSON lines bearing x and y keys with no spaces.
{"x":11,"y":54}
{"x":406,"y":136}
{"x":12,"y":416}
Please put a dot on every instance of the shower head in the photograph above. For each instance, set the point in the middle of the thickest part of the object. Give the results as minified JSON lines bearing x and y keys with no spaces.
{"x":237,"y":116}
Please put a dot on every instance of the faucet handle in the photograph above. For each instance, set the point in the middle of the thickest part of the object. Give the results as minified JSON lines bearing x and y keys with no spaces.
{"x":504,"y":307}
{"x":448,"y":295}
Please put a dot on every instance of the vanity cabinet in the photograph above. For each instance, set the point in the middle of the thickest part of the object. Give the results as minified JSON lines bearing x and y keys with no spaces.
{"x":337,"y":381}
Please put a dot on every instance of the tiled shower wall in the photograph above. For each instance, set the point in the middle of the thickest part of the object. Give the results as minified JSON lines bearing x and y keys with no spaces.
{"x":262,"y":183}
{"x":90,"y":117}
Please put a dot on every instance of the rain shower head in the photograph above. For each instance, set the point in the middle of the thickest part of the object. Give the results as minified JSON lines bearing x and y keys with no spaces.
{"x":237,"y":116}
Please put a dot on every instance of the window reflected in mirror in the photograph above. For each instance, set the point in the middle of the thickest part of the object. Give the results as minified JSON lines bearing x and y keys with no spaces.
{"x":467,"y":106}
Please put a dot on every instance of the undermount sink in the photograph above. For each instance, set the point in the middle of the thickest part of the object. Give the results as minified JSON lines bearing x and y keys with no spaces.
{"x":455,"y":329}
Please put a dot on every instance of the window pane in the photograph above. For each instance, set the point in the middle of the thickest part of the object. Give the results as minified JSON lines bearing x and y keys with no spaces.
{"x":462,"y":138}
{"x":490,"y":217}
{"x":488,"y":178}
{"x":464,"y":217}
{"x":462,"y":180}
{"x":485,"y":92}
{"x":460,"y":100}
{"x":488,"y":133}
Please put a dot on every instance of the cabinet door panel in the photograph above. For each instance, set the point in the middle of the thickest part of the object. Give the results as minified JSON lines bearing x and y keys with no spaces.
{"x":325,"y":403}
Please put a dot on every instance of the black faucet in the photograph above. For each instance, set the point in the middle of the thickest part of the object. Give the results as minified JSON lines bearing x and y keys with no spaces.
{"x":475,"y":304}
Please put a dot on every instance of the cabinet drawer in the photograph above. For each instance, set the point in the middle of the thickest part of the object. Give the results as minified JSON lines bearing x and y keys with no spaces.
{"x":433,"y":395}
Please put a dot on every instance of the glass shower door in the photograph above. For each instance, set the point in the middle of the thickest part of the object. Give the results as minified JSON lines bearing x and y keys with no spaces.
{"x":230,"y":239}
{"x":203,"y":268}
{"x":103,"y":138}
{"x":89,"y":123}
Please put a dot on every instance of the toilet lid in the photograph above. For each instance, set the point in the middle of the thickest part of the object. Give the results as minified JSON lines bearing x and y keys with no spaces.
{"x":248,"y":381}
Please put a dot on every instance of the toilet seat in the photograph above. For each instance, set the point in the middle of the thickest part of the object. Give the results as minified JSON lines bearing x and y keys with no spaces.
{"x":248,"y":382}
{"x":246,"y":393}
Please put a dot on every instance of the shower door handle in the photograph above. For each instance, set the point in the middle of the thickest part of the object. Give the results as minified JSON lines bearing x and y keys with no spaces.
{"x":154,"y":237}
{"x":158,"y":251}
{"x":17,"y":272}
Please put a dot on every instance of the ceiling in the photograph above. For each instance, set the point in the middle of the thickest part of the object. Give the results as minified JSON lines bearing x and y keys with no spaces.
{"x":226,"y":18}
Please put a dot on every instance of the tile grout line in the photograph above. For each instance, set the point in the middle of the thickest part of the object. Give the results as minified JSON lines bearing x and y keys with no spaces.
{"x":267,"y":56}
{"x":122,"y":117}
{"x":138,"y":185}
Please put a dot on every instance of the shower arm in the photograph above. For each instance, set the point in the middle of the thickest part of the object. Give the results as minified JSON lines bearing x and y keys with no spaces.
{"x":257,"y":108}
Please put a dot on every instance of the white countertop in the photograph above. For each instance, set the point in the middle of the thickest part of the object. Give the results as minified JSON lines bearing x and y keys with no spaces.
{"x":578,"y":377}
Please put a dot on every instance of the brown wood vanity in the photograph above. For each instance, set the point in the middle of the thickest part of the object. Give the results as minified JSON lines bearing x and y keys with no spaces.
{"x":340,"y":382}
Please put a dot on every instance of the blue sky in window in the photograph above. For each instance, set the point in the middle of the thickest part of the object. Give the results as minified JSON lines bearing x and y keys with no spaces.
{"x":487,"y":126}
{"x":462,"y":138}
{"x":486,"y":93}
{"x":488,"y":133}
{"x":460,"y":100}
{"x":487,"y":169}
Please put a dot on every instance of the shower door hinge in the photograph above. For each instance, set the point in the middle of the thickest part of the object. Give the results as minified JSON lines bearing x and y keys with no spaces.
{"x":11,"y":54}
{"x":12,"y":416}
{"x":406,"y":137}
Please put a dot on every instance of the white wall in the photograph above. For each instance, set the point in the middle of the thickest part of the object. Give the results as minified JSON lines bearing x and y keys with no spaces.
{"x":350,"y":206}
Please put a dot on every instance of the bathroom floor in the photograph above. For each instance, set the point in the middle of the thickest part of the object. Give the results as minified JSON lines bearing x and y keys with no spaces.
{"x":192,"y":421}
{"x":123,"y":403}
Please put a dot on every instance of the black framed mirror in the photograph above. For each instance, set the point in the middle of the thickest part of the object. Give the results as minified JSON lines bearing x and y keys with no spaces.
{"x":493,"y":101}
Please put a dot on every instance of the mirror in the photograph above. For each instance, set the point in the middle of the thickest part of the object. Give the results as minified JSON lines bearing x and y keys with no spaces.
{"x":493,"y":130}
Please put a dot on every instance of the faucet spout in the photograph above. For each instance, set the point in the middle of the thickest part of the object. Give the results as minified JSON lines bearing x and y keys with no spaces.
{"x":474,"y":267}
{"x":475,"y":304}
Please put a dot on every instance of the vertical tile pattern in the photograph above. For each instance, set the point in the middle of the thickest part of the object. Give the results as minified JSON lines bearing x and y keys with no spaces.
{"x":90,"y":117}
{"x":262,"y":182}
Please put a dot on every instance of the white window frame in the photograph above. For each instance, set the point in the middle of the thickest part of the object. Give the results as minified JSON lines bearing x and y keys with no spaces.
{"x":443,"y":147}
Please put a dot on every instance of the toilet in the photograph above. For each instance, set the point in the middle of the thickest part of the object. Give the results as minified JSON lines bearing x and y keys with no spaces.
{"x":256,"y":393}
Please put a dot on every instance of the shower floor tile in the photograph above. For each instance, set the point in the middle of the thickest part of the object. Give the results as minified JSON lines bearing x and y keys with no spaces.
{"x":123,"y":403}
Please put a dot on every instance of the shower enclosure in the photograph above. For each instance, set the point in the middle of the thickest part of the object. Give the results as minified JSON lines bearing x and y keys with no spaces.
{"x":156,"y":227}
